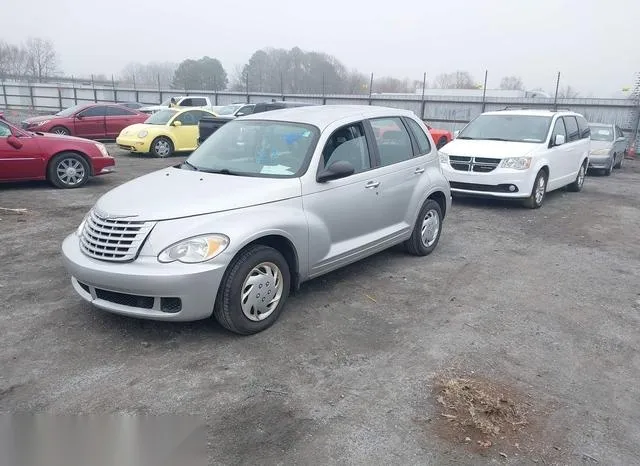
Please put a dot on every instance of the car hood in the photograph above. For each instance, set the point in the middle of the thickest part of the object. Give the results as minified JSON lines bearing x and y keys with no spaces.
{"x":599,"y":145}
{"x":38,"y":119}
{"x":133,"y":130}
{"x":173,"y":193}
{"x":490,"y":149}
{"x":62,"y":137}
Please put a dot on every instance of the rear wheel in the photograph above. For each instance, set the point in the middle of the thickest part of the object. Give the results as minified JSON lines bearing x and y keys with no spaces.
{"x":162,"y":147}
{"x":576,"y":186}
{"x":538,"y":192}
{"x":60,"y":130}
{"x":426,"y":231}
{"x":68,"y":170}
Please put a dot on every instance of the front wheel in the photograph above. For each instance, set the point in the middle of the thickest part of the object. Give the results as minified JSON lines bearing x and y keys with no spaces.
{"x":619,"y":164}
{"x":68,"y":170}
{"x":162,"y":147}
{"x":426,"y":231}
{"x":538,"y":192}
{"x":253,"y":291}
{"x":576,"y":186}
{"x":441,"y":142}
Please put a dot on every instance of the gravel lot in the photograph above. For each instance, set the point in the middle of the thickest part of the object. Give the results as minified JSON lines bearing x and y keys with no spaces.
{"x":544,"y":304}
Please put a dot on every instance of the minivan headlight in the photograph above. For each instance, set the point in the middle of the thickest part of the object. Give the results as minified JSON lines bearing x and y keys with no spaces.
{"x":516,"y":163}
{"x":194,"y":250}
{"x":444,"y":158}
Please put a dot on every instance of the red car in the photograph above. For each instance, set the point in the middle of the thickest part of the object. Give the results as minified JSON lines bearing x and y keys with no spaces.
{"x":91,"y":121}
{"x":440,"y":136}
{"x":65,"y":161}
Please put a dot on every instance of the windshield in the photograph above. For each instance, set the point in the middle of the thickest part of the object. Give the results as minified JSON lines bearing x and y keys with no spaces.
{"x":257,"y":148}
{"x":161,"y":118}
{"x":516,"y":128}
{"x":228,"y":110}
{"x":601,"y":133}
{"x":69,"y":111}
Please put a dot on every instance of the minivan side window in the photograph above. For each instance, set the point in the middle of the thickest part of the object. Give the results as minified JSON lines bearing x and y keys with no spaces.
{"x":573,"y":133}
{"x":348,"y":144}
{"x":583,"y":126}
{"x":392,"y":139}
{"x":424,"y":147}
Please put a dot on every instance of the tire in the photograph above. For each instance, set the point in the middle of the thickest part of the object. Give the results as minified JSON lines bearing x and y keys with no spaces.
{"x":609,"y":169}
{"x":60,"y":130}
{"x":441,"y":142}
{"x":68,"y":170}
{"x":229,"y":310}
{"x":427,"y":230}
{"x":538,"y":192}
{"x":162,"y":147}
{"x":576,"y":186}
{"x":619,"y":164}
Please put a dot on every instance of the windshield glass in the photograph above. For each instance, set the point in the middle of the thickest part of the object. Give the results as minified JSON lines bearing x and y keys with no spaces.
{"x":601,"y":133}
{"x":257,"y":148}
{"x":161,"y":118}
{"x":516,"y":128}
{"x":69,"y":111}
{"x":228,"y":110}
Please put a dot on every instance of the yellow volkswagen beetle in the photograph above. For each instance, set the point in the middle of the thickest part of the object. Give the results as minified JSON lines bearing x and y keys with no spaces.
{"x":165,"y":132}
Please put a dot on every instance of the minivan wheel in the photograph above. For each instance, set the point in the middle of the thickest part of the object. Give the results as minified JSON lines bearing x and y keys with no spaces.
{"x":68,"y":170}
{"x":538,"y":191}
{"x":253,"y":291}
{"x":576,"y":186}
{"x":426,"y":231}
{"x":162,"y":147}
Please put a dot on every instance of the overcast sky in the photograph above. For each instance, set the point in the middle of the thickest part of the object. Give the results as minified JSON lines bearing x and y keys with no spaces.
{"x":594,"y":43}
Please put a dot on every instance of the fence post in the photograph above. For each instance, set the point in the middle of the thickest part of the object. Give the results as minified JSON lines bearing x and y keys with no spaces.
{"x":115,"y":92}
{"x":484,"y":90}
{"x":60,"y":98}
{"x":246,"y":78}
{"x":281,"y":85}
{"x":555,"y":98}
{"x":33,"y":104}
{"x":75,"y":93}
{"x":370,"y":88}
{"x":422,"y":104}
{"x":4,"y":94}
{"x":324,"y":99}
{"x":95,"y":93}
{"x":159,"y":88}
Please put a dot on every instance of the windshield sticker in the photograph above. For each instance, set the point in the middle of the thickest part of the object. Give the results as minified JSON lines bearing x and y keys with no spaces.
{"x":604,"y":132}
{"x":276,"y":170}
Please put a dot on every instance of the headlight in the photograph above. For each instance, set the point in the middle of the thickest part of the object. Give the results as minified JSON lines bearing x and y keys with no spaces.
{"x":600,"y":152}
{"x":444,"y":158}
{"x":43,"y":122}
{"x":143,"y":133}
{"x":516,"y":163}
{"x":102,"y":149}
{"x":194,"y":250}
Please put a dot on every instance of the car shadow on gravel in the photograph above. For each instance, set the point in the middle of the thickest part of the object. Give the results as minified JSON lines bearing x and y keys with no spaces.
{"x":497,"y":203}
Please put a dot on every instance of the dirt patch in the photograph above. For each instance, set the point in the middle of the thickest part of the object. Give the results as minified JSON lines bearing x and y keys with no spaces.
{"x":491,"y":419}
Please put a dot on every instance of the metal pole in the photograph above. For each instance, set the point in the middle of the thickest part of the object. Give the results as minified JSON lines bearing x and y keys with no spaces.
{"x":159,"y":87}
{"x":59,"y":98}
{"x":324,"y":99}
{"x":134,"y":81}
{"x":555,"y":98}
{"x":4,"y":94}
{"x":215,"y":90}
{"x":95,"y":93}
{"x":424,"y":86}
{"x":75,"y":92}
{"x":246,"y":78}
{"x":115,"y":92}
{"x":281,"y":85}
{"x":370,"y":87}
{"x":484,"y":90}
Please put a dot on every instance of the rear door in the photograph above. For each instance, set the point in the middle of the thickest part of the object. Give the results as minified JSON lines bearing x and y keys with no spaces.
{"x":90,"y":122}
{"x":117,"y":119}
{"x":22,"y":163}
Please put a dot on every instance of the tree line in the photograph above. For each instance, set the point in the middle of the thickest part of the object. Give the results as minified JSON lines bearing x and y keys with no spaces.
{"x":269,"y":70}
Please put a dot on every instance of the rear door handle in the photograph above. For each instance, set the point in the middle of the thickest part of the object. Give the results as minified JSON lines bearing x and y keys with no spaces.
{"x":372,"y":184}
{"x":419,"y":171}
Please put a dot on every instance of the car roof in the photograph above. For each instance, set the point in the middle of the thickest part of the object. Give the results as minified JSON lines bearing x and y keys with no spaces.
{"x":190,"y":109}
{"x":530,"y":112}
{"x":324,"y":115}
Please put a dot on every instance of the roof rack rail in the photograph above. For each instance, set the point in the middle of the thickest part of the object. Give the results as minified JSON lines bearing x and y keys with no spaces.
{"x":537,"y":107}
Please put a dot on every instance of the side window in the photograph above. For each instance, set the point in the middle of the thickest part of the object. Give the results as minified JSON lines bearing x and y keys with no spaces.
{"x":392,"y":139}
{"x":558,"y":129}
{"x":423,"y":141}
{"x":186,"y":103}
{"x":5,"y":132}
{"x":198,"y":102}
{"x":117,"y":111}
{"x":573,"y":133}
{"x":349,"y":144}
{"x":583,"y":126}
{"x":189,"y":118}
{"x":246,"y":110}
{"x":96,"y":111}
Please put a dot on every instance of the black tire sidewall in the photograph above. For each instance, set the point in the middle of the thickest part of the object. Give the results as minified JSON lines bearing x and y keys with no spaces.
{"x":231,"y":288}
{"x":532,"y":199}
{"x":53,"y":172}
{"x":417,"y":246}
{"x":153,"y":147}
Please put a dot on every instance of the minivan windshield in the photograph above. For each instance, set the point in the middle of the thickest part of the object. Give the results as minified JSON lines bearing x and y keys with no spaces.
{"x":515,"y":128}
{"x":256,"y":148}
{"x":601,"y":133}
{"x":229,"y":109}
{"x":161,"y":118}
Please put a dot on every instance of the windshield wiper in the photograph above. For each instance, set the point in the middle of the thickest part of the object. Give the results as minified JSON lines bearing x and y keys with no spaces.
{"x":464,"y":137}
{"x":496,"y":139}
{"x":222,"y":171}
{"x":193,"y":167}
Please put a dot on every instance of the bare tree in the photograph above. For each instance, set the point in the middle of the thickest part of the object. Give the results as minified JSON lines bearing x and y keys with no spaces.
{"x":41,"y":57}
{"x":455,"y":80}
{"x":148,"y":74}
{"x":568,"y":92}
{"x":13,"y":60}
{"x":512,"y":83}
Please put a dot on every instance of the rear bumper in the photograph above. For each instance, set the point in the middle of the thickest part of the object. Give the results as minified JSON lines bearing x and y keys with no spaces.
{"x":599,"y":161}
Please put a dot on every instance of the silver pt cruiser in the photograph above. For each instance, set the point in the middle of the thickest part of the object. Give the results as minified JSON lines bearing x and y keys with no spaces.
{"x":265,"y":203}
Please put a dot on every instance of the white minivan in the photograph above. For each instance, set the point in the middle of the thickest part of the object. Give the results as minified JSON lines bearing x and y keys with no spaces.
{"x":518,"y":154}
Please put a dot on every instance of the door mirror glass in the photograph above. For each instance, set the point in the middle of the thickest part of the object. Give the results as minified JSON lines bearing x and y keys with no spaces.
{"x":559,"y":140}
{"x":336,"y":170}
{"x":14,"y":142}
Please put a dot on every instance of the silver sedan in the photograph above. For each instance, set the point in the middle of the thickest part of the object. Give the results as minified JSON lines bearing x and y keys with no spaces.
{"x":608,"y":146}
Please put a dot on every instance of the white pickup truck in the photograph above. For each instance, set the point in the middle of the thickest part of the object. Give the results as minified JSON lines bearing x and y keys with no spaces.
{"x":181,"y":101}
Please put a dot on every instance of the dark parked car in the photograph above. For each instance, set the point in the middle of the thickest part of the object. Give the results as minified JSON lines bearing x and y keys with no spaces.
{"x":92,"y":121}
{"x":65,"y":161}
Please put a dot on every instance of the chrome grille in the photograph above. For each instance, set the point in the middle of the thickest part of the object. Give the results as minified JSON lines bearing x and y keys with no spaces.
{"x":109,"y":239}
{"x":473,"y":164}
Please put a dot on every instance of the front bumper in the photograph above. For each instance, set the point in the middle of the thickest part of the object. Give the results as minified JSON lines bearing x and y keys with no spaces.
{"x":599,"y":161}
{"x":102,"y":165}
{"x":496,"y":183}
{"x":144,"y":288}
{"x":134,"y":144}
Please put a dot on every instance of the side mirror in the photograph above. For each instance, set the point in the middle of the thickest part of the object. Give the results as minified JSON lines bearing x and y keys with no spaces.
{"x":14,"y":142}
{"x":239,"y":114}
{"x":176,"y":123}
{"x":622,"y":139}
{"x":455,"y":133}
{"x":559,"y":140}
{"x":336,"y":170}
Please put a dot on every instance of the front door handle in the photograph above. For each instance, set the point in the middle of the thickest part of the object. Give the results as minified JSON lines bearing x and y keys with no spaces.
{"x":372,"y":184}
{"x":419,"y":171}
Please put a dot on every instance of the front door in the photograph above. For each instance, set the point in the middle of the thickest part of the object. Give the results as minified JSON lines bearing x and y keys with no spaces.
{"x":90,"y":122}
{"x":117,"y":119}
{"x":22,"y":163}
{"x":185,"y":136}
{"x":559,"y":156}
{"x":343,"y":215}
